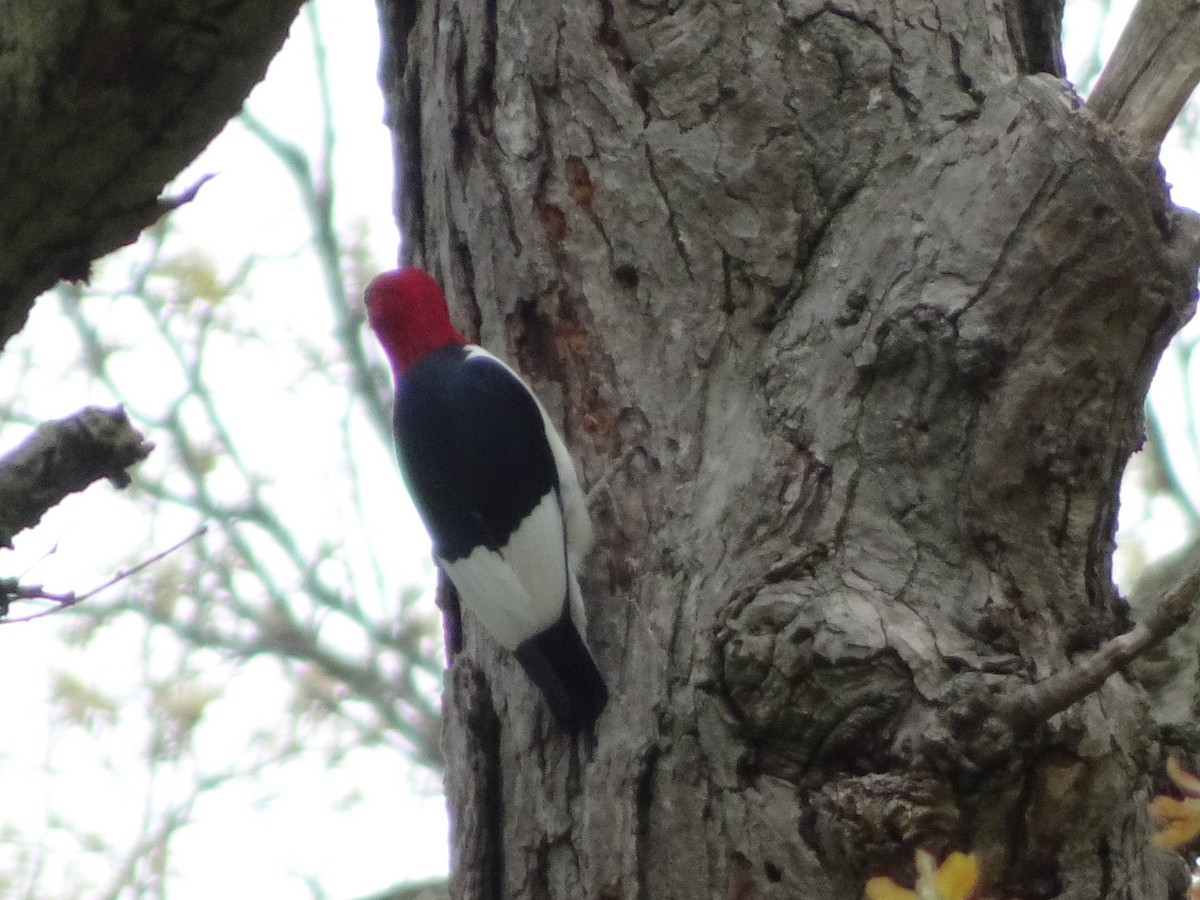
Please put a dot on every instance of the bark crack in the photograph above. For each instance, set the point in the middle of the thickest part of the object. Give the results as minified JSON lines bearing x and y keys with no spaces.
{"x":643,"y":803}
{"x":672,"y":225}
{"x":908,"y":99}
{"x":1017,"y":233}
{"x":615,"y":49}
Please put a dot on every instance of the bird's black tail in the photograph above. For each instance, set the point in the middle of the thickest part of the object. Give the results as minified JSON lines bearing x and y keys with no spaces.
{"x":560,"y":664}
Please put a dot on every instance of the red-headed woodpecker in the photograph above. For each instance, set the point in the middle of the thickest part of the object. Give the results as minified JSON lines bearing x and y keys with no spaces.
{"x":495,"y":488}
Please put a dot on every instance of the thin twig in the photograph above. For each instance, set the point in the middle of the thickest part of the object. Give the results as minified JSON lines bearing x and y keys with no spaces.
{"x":66,"y":601}
{"x":1038,"y":702}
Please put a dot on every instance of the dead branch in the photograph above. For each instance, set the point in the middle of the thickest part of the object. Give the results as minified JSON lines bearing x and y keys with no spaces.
{"x":62,"y":457}
{"x":1152,"y":72}
{"x":11,"y":590}
{"x":1038,"y":702}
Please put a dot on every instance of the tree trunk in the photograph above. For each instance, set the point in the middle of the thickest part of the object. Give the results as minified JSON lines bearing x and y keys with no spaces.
{"x":866,"y":305}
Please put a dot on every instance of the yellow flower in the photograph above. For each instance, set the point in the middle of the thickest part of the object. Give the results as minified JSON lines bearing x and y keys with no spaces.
{"x":955,"y":879}
{"x":1182,"y":817}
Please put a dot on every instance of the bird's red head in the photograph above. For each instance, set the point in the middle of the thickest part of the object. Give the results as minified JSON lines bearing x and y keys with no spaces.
{"x":407,"y":311}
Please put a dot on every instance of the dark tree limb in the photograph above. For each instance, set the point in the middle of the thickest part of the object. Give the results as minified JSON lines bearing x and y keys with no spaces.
{"x":1152,"y":72}
{"x":103,"y":103}
{"x":1035,"y":29}
{"x":62,"y":457}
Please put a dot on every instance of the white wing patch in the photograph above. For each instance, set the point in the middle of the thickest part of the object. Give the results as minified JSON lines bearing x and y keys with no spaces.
{"x":518,"y":592}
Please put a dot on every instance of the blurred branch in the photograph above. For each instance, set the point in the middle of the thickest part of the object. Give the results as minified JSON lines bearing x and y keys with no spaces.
{"x":10,"y":591}
{"x":288,"y":592}
{"x":433,"y":889}
{"x":1085,"y":79}
{"x":396,"y":700}
{"x":272,"y":594}
{"x":1163,"y":460}
{"x":153,"y":843}
{"x":1152,"y":71}
{"x":62,"y":457}
{"x":316,"y":192}
{"x":319,"y":203}
{"x":169,"y":741}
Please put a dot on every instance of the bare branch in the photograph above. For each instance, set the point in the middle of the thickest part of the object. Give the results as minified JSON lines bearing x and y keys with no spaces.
{"x":66,"y":601}
{"x":1038,"y":702}
{"x":1152,"y":72}
{"x":316,"y":192}
{"x":62,"y":457}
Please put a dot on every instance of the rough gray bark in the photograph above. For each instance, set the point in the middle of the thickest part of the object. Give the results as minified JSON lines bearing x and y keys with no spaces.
{"x":62,"y":457}
{"x":101,"y":104}
{"x":877,"y":305}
